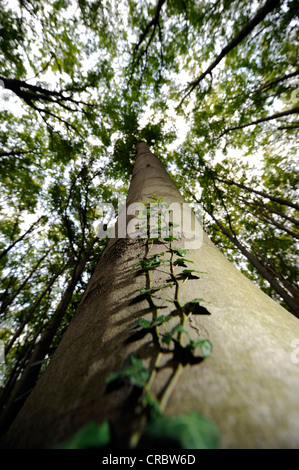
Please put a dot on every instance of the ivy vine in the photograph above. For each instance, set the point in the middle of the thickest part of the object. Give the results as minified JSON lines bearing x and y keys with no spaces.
{"x":190,"y":430}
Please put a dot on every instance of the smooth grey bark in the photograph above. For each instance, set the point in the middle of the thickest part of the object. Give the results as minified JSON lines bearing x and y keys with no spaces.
{"x":249,"y":386}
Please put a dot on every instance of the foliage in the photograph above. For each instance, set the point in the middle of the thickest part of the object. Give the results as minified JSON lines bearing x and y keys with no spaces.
{"x":188,"y":431}
{"x":92,"y":436}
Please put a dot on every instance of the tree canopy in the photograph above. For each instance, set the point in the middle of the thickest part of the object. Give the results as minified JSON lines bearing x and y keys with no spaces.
{"x":211,"y":86}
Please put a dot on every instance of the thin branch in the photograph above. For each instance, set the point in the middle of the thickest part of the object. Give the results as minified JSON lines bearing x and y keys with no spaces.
{"x":276,"y":199}
{"x":35,"y":93}
{"x":258,"y":121}
{"x":258,"y":17}
{"x":14,"y":153}
{"x":255,"y":203}
{"x":151,"y":24}
{"x":268,"y":85}
{"x":154,"y":21}
{"x":31,"y":228}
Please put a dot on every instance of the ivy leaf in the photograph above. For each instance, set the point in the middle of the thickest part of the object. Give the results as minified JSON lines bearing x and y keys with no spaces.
{"x":151,"y":290}
{"x":132,"y":369}
{"x":171,"y":238}
{"x":182,"y":262}
{"x":144,"y":323}
{"x":158,"y":321}
{"x":143,"y":293}
{"x":187,"y":431}
{"x":180,"y":252}
{"x":169,"y":336}
{"x":188,"y":274}
{"x":148,"y":264}
{"x":205,"y":345}
{"x":153,"y":406}
{"x":91,"y":436}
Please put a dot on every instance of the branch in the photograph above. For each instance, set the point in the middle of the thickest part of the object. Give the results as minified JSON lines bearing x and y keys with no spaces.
{"x":153,"y":23}
{"x":268,"y":85}
{"x":259,"y":16}
{"x":14,"y":153}
{"x":276,"y":199}
{"x":35,"y":93}
{"x":30,"y":229}
{"x":49,"y":113}
{"x":253,"y":204}
{"x":258,"y":121}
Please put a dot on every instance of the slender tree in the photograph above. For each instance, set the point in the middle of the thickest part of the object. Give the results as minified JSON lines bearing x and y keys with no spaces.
{"x":33,"y":367}
{"x":120,"y":358}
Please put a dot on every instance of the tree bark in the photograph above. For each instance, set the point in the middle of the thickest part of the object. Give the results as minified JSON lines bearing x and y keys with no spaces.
{"x":248,"y":386}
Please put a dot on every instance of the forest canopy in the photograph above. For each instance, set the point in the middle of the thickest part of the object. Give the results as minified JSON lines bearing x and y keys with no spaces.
{"x":211,"y":86}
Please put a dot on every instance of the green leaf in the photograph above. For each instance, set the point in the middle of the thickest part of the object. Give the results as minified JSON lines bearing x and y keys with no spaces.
{"x":180,"y":252}
{"x":182,"y":261}
{"x":158,"y":321}
{"x":132,"y":369}
{"x":188,"y":431}
{"x":148,"y":264}
{"x":169,"y":336}
{"x":205,"y":345}
{"x":152,"y":404}
{"x":171,"y":238}
{"x":90,"y":437}
{"x":150,"y":290}
{"x":144,"y":323}
{"x":188,"y":274}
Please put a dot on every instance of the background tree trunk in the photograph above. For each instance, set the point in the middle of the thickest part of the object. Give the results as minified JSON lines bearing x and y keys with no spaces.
{"x":249,"y":386}
{"x":31,"y":372}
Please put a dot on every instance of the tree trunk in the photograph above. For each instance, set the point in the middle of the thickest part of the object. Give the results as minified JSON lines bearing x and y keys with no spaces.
{"x":34,"y":307}
{"x":9,"y":301}
{"x":32,"y":369}
{"x":249,"y":386}
{"x":31,"y":228}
